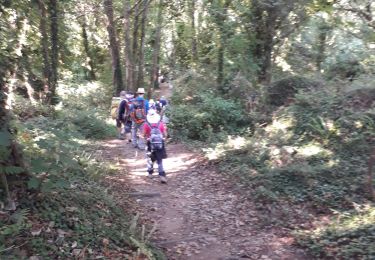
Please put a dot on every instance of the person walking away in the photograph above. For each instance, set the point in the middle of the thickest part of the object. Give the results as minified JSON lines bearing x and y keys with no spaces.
{"x":155,"y":131}
{"x":138,"y":114}
{"x":124,"y":116}
{"x":118,"y":116}
{"x":151,"y":104}
{"x":163,"y":103}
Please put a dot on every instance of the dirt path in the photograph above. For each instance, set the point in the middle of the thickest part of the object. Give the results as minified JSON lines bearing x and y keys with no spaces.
{"x":199,"y":214}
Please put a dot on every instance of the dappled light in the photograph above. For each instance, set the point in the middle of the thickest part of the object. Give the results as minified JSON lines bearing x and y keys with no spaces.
{"x":258,"y":119}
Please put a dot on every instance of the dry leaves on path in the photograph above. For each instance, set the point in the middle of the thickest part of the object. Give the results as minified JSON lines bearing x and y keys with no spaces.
{"x":200,"y":214}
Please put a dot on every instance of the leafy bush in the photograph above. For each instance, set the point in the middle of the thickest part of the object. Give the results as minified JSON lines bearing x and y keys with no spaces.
{"x":199,"y":118}
{"x":24,"y":109}
{"x":345,"y":69}
{"x":281,"y":91}
{"x":349,"y":236}
{"x":313,"y":154}
{"x":90,"y":124}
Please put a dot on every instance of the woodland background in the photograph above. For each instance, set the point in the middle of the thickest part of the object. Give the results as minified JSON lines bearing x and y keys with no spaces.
{"x":279,"y":92}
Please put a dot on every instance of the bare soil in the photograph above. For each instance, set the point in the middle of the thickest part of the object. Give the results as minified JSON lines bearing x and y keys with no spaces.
{"x":200,"y":213}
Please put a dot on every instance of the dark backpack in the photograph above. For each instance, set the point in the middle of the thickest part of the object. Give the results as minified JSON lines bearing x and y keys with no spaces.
{"x":127,"y":110}
{"x":156,"y":137}
{"x":139,"y":111}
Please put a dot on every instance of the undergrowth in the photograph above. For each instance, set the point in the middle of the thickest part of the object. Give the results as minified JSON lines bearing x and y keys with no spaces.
{"x":309,"y":159}
{"x":66,"y":211}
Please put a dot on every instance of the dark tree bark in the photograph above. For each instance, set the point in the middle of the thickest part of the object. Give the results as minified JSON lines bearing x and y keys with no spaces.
{"x":156,"y":48}
{"x":114,"y":47}
{"x":140,"y":81}
{"x":264,"y":30}
{"x":53,"y":10}
{"x":194,"y":45}
{"x":45,"y":51}
{"x":321,"y":46}
{"x":128,"y":47}
{"x":221,"y":17}
{"x":135,"y":43}
{"x":91,"y":69}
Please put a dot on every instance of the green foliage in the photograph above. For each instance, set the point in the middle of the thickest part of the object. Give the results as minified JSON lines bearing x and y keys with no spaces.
{"x":198,"y":112}
{"x":205,"y":115}
{"x":345,"y":69}
{"x":83,"y":214}
{"x":349,"y":236}
{"x":314,"y":154}
{"x":71,"y":206}
{"x":280,"y":92}
{"x":24,"y":109}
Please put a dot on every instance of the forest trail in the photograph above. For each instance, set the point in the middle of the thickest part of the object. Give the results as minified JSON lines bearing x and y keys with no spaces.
{"x":199,"y":214}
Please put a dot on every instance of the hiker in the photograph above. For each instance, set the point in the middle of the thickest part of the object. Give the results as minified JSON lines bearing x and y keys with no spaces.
{"x":162,"y":107}
{"x":151,"y":104}
{"x":117,"y":105}
{"x":124,"y":115}
{"x":155,"y":131}
{"x":138,"y":114}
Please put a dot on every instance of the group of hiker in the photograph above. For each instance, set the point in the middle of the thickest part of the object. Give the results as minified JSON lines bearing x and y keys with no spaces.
{"x":144,"y":120}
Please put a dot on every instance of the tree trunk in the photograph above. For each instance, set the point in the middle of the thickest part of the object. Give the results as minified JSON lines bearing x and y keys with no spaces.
{"x":128,"y":48}
{"x":54,"y":50}
{"x":91,"y":70}
{"x":45,"y":51}
{"x":321,"y":46}
{"x":140,"y":82}
{"x":155,"y":56}
{"x":264,"y":20}
{"x":135,"y":44}
{"x":221,"y":19}
{"x":114,"y":47}
{"x":194,"y":48}
{"x":370,"y":175}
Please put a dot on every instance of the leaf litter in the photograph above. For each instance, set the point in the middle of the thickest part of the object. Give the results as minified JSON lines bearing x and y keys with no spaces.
{"x":200,"y":213}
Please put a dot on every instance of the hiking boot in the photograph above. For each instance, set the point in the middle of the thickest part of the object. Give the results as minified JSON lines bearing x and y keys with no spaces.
{"x":120,"y":137}
{"x":163,"y":179}
{"x":150,"y":176}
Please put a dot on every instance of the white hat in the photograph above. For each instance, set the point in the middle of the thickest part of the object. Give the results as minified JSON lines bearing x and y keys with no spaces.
{"x":153,"y":117}
{"x":140,"y":91}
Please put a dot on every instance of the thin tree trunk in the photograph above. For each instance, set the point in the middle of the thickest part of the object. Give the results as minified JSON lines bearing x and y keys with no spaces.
{"x":142,"y":44}
{"x":128,"y":48}
{"x":91,"y":70}
{"x":135,"y":44}
{"x":265,"y":22}
{"x":194,"y":48}
{"x":321,"y":46}
{"x":370,"y":175}
{"x":221,"y":19}
{"x":114,"y":47}
{"x":155,"y":56}
{"x":45,"y":50}
{"x":54,"y":50}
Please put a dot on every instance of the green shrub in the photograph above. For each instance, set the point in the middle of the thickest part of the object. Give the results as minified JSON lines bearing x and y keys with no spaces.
{"x":91,"y":124}
{"x":206,"y":115}
{"x":350,"y":236}
{"x":279,"y":92}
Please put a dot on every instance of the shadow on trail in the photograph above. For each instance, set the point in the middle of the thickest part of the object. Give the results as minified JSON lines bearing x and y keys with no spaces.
{"x":199,"y":214}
